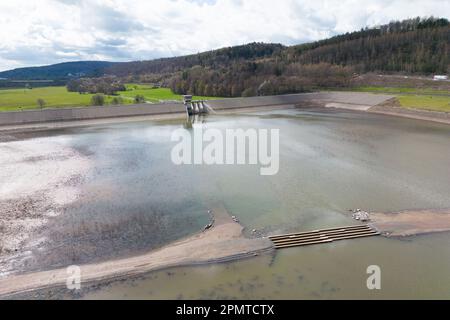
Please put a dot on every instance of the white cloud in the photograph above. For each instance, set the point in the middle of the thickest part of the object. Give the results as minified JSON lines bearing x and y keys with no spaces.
{"x":36,"y":32}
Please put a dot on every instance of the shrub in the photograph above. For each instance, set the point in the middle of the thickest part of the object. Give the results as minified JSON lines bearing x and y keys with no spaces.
{"x":117,"y":100}
{"x":98,"y":99}
{"x":139,"y":99}
{"x":41,"y":103}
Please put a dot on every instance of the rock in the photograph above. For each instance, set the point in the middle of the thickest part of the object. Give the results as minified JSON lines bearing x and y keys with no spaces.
{"x":208,"y":226}
{"x":361,"y":215}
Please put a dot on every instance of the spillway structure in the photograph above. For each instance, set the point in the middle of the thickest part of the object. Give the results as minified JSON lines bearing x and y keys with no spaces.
{"x":194,"y":107}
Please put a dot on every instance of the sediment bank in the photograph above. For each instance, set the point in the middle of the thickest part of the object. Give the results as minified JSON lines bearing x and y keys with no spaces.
{"x":411,"y":222}
{"x":223,"y":242}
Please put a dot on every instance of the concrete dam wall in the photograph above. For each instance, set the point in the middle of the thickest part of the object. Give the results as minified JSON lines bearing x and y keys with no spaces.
{"x":89,"y":113}
{"x":353,"y":98}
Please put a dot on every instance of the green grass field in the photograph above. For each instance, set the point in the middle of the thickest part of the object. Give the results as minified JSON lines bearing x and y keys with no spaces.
{"x":155,"y":95}
{"x":399,"y":90}
{"x":427,"y":102}
{"x":56,"y":97}
{"x":16,"y":99}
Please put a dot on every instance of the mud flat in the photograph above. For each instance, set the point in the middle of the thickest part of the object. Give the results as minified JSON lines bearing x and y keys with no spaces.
{"x":413,"y":222}
{"x":224,"y":241}
{"x":38,"y":179}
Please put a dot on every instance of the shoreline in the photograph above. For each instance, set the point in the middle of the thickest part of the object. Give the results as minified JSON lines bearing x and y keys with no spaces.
{"x":223,"y":242}
{"x":407,"y":223}
{"x":389,"y":109}
{"x":424,"y":115}
{"x":43,"y":126}
{"x":416,"y":114}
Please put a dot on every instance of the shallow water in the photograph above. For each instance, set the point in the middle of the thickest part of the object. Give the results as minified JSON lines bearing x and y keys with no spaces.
{"x":133,"y":198}
{"x":409,"y":270}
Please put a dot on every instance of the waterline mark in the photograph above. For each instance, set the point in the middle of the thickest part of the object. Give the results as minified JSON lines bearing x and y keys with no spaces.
{"x":236,"y":147}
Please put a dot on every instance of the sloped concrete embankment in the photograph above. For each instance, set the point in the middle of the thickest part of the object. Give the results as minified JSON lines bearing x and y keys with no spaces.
{"x":87,"y":113}
{"x":349,"y":100}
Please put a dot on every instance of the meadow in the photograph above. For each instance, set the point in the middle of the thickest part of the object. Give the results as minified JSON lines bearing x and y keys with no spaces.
{"x":57,"y":97}
{"x":155,"y":94}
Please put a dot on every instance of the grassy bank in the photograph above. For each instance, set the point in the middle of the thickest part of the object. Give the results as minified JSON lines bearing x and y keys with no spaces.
{"x":55,"y":97}
{"x":403,"y":90}
{"x":417,"y":98}
{"x":426,"y":102}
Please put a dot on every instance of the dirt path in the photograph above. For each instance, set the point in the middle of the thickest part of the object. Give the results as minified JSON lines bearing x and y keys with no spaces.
{"x":224,"y":241}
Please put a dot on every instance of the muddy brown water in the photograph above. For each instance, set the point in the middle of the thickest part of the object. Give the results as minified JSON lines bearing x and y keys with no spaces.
{"x":129,"y":198}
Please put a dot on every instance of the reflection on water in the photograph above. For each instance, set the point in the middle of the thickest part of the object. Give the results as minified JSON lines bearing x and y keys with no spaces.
{"x":134,"y":198}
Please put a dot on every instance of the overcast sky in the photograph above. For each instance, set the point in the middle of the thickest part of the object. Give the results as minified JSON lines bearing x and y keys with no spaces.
{"x":39,"y":32}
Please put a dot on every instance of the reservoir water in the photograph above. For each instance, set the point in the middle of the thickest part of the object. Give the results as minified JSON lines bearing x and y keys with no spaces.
{"x":131,"y":198}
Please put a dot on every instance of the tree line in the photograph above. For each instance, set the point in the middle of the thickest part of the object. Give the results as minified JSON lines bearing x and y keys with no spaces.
{"x":106,"y":85}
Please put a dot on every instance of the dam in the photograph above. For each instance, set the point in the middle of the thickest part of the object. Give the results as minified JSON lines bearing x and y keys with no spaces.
{"x":357,"y":100}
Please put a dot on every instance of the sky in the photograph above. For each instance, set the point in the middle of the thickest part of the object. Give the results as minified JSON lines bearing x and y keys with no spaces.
{"x":41,"y":32}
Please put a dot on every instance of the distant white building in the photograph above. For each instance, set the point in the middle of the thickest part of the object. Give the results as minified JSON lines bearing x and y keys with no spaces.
{"x":440,"y":77}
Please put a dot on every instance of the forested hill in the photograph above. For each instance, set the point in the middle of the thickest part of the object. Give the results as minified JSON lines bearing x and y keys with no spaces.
{"x":411,"y":46}
{"x":417,"y":45}
{"x":211,"y":59}
{"x":58,"y":71}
